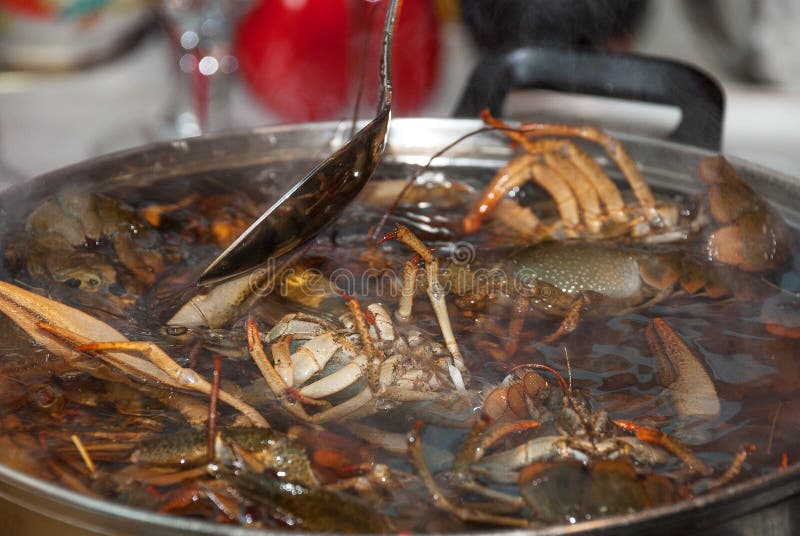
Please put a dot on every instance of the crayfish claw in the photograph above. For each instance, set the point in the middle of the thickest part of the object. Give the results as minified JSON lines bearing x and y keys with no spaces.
{"x":748,"y":233}
{"x":679,"y":369}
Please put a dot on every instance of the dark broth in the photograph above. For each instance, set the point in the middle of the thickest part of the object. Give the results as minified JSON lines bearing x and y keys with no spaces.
{"x":756,"y":373}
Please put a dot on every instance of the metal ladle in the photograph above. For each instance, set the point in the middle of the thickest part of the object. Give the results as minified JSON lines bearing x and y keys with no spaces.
{"x":318,"y":198}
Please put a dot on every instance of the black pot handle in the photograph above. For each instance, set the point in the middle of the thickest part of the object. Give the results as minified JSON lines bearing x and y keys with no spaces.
{"x":622,"y":76}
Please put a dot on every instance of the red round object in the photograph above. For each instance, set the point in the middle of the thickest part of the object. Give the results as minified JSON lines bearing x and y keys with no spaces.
{"x":304,"y":59}
{"x":291,"y":53}
{"x":415,"y":57}
{"x":38,"y":9}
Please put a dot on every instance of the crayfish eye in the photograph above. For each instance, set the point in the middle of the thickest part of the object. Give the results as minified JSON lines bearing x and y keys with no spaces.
{"x":47,"y":397}
{"x":93,"y":282}
{"x":176,"y":331}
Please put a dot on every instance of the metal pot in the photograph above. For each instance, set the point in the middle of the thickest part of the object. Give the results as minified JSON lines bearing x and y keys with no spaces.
{"x":764,"y":505}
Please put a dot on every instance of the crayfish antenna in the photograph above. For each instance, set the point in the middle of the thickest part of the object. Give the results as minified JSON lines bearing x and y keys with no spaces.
{"x":569,"y":370}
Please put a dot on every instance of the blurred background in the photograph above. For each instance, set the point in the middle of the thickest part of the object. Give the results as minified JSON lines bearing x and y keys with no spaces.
{"x":80,"y":78}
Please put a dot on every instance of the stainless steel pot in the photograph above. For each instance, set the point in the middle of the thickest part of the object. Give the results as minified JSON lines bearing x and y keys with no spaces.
{"x":768,"y":504}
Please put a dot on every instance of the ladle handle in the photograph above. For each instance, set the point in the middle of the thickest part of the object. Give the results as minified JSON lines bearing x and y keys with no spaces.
{"x":389,"y":29}
{"x":621,"y":76}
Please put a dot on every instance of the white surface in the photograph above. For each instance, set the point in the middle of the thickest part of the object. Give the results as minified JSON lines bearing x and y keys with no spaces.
{"x":760,"y":122}
{"x":48,"y":121}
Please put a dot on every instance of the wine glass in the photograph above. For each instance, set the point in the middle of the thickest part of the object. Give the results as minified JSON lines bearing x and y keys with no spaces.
{"x":203,"y":67}
{"x":200,"y":34}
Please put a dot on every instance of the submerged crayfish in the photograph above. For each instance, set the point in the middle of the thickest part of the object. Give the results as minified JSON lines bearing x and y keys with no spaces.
{"x":89,"y":247}
{"x":581,"y":464}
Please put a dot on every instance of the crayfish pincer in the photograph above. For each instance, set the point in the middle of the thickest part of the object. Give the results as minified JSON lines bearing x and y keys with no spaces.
{"x":746,"y":232}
